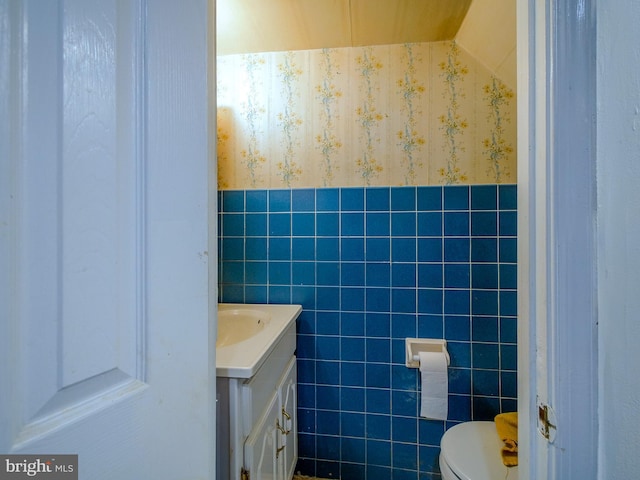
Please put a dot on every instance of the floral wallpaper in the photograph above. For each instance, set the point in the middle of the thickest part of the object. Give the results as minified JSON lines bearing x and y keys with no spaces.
{"x":392,"y":115}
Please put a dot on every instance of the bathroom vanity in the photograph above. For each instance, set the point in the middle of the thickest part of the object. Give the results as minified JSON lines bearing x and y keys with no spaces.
{"x":256,"y":391}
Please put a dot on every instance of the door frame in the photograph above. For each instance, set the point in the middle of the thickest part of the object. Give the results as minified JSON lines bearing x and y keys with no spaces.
{"x":557,"y":329}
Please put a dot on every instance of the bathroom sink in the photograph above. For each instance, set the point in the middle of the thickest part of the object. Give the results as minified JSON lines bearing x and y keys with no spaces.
{"x":248,"y":334}
{"x":239,"y":324}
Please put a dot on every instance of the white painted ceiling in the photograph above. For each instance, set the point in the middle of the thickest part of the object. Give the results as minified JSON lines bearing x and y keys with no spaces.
{"x":250,"y":26}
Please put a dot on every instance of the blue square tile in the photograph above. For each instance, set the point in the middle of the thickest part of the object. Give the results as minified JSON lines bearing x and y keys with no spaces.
{"x":353,"y":470}
{"x":509,"y":384}
{"x":327,"y":298}
{"x":460,"y":381}
{"x":431,"y":326}
{"x":485,"y":408}
{"x":327,"y":372}
{"x":508,"y":405}
{"x":403,"y":300}
{"x":377,"y":198}
{"x":456,"y":224}
{"x":378,"y":400}
{"x":430,"y":432}
{"x":303,"y":273}
{"x":403,"y":199}
{"x":306,"y":378}
{"x":457,"y":327}
{"x":430,"y":301}
{"x":486,"y":355}
{"x":256,"y":200}
{"x":279,"y":200}
{"x":508,"y":276}
{"x":484,"y":250}
{"x":279,"y":294}
{"x":459,"y":408}
{"x":405,"y":456}
{"x":232,"y":272}
{"x":405,"y":403}
{"x":403,"y":224}
{"x":403,"y":325}
{"x":327,"y":249}
{"x":352,"y":425}
{"x":486,"y":382}
{"x":352,"y":249}
{"x":306,"y":421}
{"x":306,"y":322}
{"x":256,"y":248}
{"x":280,"y":224}
{"x":508,"y":224}
{"x":456,"y":197}
{"x":456,"y":249}
{"x":352,"y":299}
{"x":378,"y":224}
{"x":508,"y":357}
{"x":352,"y":324}
{"x":280,"y":273}
{"x":233,"y":201}
{"x":303,"y":224}
{"x":508,"y":330}
{"x":460,"y":353}
{"x":352,"y":349}
{"x":352,"y":400}
{"x":379,"y":428}
{"x":398,"y":356}
{"x":327,"y":347}
{"x":352,"y":199}
{"x":484,"y":197}
{"x":352,"y":274}
{"x":456,"y":275}
{"x":352,"y":374}
{"x":254,"y":294}
{"x":404,"y":381}
{"x":508,"y":197}
{"x":430,"y":275}
{"x":328,"y":323}
{"x":403,"y":249}
{"x":303,"y":249}
{"x":484,"y":224}
{"x":378,"y":350}
{"x":378,"y":375}
{"x":508,"y":250}
{"x":403,"y":274}
{"x":328,"y":273}
{"x":233,"y":225}
{"x":378,"y":249}
{"x":328,"y":446}
{"x":456,"y":302}
{"x":303,"y":200}
{"x":485,"y":329}
{"x":304,"y":296}
{"x":327,"y":199}
{"x":306,"y":347}
{"x":328,"y":398}
{"x":429,"y":198}
{"x":378,"y":324}
{"x":256,"y":273}
{"x":484,"y":276}
{"x":327,"y":224}
{"x":404,"y":430}
{"x":484,"y":302}
{"x":232,"y":249}
{"x":353,"y":450}
{"x":378,"y":274}
{"x":378,"y":299}
{"x":256,"y":224}
{"x":429,"y":249}
{"x":279,"y":248}
{"x":430,"y":224}
{"x":508,"y":303}
{"x":352,"y":224}
{"x":231,"y":293}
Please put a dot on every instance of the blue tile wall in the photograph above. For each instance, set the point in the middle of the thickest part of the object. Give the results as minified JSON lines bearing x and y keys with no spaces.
{"x":372,"y":266}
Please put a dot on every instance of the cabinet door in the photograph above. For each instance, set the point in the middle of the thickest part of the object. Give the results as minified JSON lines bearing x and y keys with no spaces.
{"x":262,"y":457}
{"x":287,"y":391}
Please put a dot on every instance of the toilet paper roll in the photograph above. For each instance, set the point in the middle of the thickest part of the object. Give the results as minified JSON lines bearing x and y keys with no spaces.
{"x":434,"y":390}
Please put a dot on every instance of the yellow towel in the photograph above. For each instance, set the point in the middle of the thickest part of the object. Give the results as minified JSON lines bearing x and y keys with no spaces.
{"x":507,"y":427}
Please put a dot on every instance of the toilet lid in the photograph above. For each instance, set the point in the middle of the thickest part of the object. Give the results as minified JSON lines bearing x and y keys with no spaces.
{"x":472,"y":452}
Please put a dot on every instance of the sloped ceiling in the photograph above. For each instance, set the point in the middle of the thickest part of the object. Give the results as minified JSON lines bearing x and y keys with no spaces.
{"x":250,"y":26}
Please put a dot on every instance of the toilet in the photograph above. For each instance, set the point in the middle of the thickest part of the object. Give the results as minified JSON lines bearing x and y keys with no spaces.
{"x":471,"y":451}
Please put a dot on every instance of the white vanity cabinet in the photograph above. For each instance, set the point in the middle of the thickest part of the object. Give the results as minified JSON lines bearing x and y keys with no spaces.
{"x":257,"y":428}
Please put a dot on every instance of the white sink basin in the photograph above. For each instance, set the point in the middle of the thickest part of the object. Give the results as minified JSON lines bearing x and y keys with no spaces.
{"x":249,"y":333}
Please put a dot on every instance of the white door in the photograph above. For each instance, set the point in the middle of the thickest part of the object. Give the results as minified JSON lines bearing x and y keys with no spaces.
{"x":287,"y":392}
{"x":262,"y":452}
{"x":106,"y":349}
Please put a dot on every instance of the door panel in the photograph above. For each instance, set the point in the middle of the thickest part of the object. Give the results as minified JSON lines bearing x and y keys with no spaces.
{"x":261,"y":456}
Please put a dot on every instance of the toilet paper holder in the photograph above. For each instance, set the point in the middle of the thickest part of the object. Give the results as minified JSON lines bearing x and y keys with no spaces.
{"x":416,"y":345}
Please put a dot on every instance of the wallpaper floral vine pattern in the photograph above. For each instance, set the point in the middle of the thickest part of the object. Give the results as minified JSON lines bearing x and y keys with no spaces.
{"x":390,"y":115}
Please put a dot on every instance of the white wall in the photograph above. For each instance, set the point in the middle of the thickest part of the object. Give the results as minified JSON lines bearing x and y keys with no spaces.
{"x":618,"y":217}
